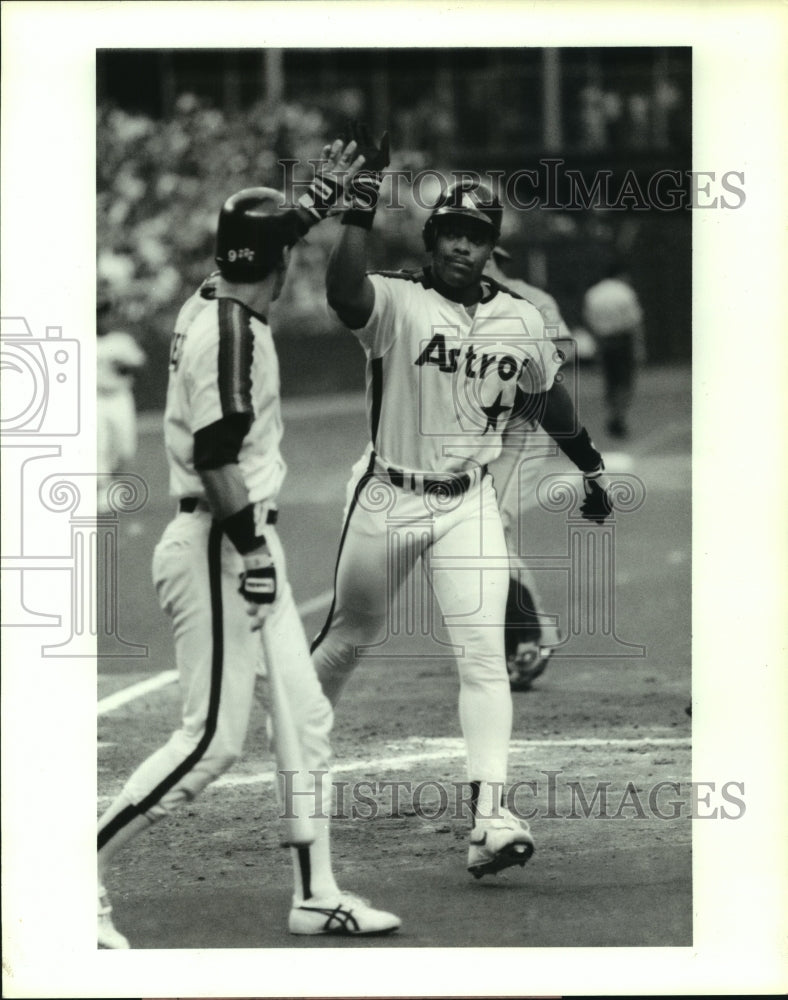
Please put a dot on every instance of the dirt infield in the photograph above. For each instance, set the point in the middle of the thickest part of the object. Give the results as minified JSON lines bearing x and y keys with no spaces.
{"x":614,"y":871}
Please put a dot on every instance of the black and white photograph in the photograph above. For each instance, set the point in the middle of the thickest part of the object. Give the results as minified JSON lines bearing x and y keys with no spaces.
{"x":382,"y":539}
{"x":562,"y":179}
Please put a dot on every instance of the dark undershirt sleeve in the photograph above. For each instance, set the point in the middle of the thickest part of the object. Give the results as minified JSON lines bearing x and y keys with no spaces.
{"x":220,"y":443}
{"x":555,"y":411}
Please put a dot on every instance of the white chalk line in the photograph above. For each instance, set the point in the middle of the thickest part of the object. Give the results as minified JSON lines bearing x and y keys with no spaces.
{"x":166,"y":677}
{"x":448,"y":749}
{"x":138,"y":690}
{"x":317,"y":603}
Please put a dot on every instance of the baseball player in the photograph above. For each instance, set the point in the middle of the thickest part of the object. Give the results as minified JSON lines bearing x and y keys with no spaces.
{"x":446,"y":349}
{"x":612,"y":313}
{"x":118,"y":359}
{"x":530,"y":635}
{"x":222,"y":430}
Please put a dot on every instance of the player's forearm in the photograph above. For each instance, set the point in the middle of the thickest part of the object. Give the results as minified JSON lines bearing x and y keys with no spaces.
{"x":229,"y":501}
{"x":347,"y":266}
{"x":350,"y":293}
{"x":557,"y":415}
{"x":225,"y":490}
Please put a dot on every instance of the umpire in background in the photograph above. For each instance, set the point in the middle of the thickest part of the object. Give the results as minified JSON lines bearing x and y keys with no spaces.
{"x":613,"y":316}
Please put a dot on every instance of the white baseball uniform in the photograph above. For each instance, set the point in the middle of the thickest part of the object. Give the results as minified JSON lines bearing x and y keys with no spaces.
{"x":118,"y":356}
{"x":222,"y":398}
{"x":440,"y":383}
{"x":526,"y":446}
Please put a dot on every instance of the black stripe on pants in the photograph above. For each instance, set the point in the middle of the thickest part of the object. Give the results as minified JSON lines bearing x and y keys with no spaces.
{"x":356,"y":494}
{"x":217,"y":663}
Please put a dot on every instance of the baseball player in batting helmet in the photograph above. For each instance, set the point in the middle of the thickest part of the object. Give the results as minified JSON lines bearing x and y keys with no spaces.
{"x":446,"y":350}
{"x":470,"y":201}
{"x":222,"y":430}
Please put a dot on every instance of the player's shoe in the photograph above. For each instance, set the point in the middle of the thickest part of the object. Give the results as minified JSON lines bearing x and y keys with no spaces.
{"x":528,"y":662}
{"x":108,"y":936}
{"x":341,"y":914}
{"x":499,"y":842}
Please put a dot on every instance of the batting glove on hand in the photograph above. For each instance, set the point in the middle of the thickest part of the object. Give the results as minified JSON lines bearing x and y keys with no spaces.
{"x":258,"y":584}
{"x":364,"y":188}
{"x":376,"y":155}
{"x":597,"y":505}
{"x":338,"y":166}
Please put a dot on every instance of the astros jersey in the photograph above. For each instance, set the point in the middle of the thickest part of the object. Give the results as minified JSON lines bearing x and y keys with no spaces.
{"x":440,"y":382}
{"x":223,"y":364}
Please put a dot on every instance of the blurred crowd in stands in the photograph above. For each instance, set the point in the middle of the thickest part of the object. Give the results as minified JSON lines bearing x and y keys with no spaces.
{"x":162,"y":180}
{"x":161,"y":183}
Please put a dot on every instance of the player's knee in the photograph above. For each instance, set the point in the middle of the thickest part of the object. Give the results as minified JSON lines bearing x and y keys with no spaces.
{"x":222,"y":753}
{"x":224,"y":761}
{"x":217,"y":761}
{"x":483,"y":670}
{"x":339,"y":650}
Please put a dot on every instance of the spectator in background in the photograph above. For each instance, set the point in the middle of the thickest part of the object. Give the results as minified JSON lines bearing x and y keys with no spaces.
{"x":118,"y":358}
{"x":613,"y":315}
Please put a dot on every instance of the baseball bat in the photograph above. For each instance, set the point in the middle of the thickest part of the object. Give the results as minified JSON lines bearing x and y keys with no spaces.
{"x":287,"y":749}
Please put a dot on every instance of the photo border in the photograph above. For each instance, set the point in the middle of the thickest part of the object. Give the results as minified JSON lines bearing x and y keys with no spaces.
{"x":739,"y":353}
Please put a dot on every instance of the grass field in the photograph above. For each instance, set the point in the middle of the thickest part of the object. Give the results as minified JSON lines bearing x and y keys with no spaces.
{"x":214,"y":876}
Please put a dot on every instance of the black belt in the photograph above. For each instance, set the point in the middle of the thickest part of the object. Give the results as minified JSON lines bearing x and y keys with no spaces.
{"x":188,"y":505}
{"x":451,"y":485}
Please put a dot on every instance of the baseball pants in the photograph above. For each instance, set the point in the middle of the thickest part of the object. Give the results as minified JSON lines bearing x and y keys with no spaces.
{"x":196,"y":572}
{"x":460,"y":542}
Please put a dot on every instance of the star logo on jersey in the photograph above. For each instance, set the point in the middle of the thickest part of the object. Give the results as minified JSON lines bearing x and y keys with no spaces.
{"x":492,"y":412}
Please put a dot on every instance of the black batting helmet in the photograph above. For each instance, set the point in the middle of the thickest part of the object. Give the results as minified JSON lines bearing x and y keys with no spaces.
{"x":470,"y":199}
{"x":252,"y":233}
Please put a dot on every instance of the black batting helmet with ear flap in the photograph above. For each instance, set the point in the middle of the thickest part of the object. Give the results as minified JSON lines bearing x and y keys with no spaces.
{"x":252,"y":233}
{"x":468,"y":199}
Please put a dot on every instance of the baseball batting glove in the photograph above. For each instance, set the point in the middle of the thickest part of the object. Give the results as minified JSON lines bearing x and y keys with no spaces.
{"x":364,"y":188}
{"x":339,"y":165}
{"x":596,"y":506}
{"x":258,"y":584}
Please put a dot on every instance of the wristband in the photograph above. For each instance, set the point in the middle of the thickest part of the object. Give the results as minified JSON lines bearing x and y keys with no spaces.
{"x":359,"y":217}
{"x":241,"y":529}
{"x":364,"y":192}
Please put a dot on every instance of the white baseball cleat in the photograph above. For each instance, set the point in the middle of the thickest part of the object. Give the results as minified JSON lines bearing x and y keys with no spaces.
{"x":108,"y":936}
{"x":341,"y":914}
{"x":498,"y":843}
